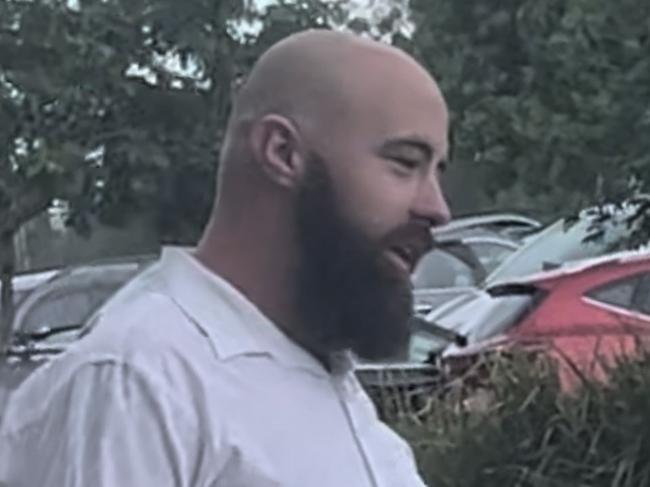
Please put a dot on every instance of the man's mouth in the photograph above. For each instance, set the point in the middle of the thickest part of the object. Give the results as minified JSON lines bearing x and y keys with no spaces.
{"x":406,"y":250}
{"x":403,"y":257}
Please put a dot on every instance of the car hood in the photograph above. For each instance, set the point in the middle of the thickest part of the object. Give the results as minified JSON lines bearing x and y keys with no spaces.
{"x":482,"y":315}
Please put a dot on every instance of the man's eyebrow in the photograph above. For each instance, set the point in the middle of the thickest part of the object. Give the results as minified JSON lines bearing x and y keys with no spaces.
{"x":410,"y":141}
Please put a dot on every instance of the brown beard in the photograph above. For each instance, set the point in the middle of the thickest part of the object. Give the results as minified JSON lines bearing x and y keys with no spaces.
{"x":349,"y":297}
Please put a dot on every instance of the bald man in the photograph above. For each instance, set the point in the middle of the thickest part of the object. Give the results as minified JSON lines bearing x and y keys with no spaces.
{"x":232,"y":365}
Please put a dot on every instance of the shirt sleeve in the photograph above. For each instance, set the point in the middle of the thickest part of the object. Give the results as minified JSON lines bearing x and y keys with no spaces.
{"x":106,"y":426}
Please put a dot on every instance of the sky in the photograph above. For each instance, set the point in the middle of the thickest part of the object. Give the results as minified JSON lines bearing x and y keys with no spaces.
{"x":372,"y":10}
{"x":367,"y":9}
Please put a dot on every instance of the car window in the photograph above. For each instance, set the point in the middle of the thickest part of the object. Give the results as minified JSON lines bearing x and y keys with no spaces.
{"x":440,"y":269}
{"x":561,"y":243}
{"x":67,"y":306}
{"x":619,"y":293}
{"x":72,"y":297}
{"x":490,"y":254}
{"x":422,"y":344}
{"x":642,"y":294}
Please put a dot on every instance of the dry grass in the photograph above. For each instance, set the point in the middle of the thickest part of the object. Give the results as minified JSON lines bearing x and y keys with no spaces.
{"x":523,"y":431}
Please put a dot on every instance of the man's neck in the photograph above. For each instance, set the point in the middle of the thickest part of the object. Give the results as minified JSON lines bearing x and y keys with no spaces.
{"x":265,"y":275}
{"x":254,"y":279}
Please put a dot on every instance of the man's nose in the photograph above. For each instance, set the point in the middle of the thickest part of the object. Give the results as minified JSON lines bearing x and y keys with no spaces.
{"x":431,"y":205}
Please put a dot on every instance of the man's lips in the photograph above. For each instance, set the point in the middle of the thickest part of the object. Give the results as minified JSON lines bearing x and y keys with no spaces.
{"x":400,"y":260}
{"x":408,"y":251}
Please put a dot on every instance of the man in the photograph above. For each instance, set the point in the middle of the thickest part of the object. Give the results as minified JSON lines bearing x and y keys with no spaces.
{"x":229,"y":366}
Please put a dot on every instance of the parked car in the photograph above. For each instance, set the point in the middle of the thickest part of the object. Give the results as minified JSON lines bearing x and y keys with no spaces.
{"x":72,"y":294}
{"x":506,"y":225}
{"x":455,"y":267}
{"x":26,"y":282}
{"x":562,"y":242}
{"x":404,"y":386}
{"x":467,"y":250}
{"x":566,"y":240}
{"x":51,"y":316}
{"x":584,"y":315}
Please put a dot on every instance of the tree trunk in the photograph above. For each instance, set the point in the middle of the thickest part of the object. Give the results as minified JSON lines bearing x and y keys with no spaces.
{"x":7,"y":268}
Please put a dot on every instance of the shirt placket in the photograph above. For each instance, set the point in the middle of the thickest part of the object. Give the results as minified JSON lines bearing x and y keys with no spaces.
{"x":344,"y":395}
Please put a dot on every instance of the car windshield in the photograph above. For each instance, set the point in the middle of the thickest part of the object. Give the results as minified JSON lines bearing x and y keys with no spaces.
{"x":440,"y":269}
{"x":490,"y":255}
{"x":72,"y":297}
{"x":71,"y":305}
{"x":461,"y":263}
{"x":561,"y":243}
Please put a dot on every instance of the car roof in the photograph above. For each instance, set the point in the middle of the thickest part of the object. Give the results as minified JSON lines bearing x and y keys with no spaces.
{"x":629,"y":257}
{"x":477,"y":239}
{"x":566,"y":240}
{"x":470,"y":221}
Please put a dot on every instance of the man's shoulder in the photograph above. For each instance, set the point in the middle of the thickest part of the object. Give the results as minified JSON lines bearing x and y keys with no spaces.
{"x":143,"y":327}
{"x":141,"y":331}
{"x":141,"y":316}
{"x":138,"y":371}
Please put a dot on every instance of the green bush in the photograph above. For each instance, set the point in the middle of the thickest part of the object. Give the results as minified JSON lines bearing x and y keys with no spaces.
{"x":528,"y":433}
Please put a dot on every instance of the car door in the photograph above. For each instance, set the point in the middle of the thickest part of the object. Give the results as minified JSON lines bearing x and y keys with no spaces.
{"x":612,"y":327}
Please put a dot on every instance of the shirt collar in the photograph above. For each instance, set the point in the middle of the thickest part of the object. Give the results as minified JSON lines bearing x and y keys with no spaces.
{"x":233,"y":324}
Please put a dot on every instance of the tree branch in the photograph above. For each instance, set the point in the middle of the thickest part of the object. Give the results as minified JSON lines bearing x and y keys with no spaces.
{"x":29,"y":203}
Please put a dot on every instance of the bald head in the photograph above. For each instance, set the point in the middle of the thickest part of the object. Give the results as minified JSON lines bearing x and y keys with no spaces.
{"x":319,"y":78}
{"x":307,"y":73}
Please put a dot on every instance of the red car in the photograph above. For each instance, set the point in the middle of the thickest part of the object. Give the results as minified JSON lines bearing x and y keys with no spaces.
{"x":585,"y":315}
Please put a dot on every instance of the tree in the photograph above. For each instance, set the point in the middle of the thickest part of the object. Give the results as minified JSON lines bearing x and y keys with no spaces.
{"x":118,"y":106}
{"x":550,"y":99}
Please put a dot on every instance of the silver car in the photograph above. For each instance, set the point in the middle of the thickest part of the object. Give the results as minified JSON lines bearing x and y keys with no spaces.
{"x":562,"y":242}
{"x":51,"y":315}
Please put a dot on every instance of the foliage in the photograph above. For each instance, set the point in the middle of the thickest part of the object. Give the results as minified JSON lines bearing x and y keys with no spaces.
{"x":531,"y":435}
{"x":550,"y":99}
{"x":119,"y":106}
{"x":77,"y":121}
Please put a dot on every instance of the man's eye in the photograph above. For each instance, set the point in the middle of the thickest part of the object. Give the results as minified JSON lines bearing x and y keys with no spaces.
{"x":406,"y":163}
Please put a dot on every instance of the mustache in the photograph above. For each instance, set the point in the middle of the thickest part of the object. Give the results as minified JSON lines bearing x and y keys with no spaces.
{"x":416,"y":236}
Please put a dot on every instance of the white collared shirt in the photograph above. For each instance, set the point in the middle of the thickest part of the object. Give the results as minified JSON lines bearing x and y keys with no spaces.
{"x":184,"y":382}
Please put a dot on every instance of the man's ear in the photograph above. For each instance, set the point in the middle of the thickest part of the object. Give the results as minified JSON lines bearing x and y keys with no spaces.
{"x":276,"y":146}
